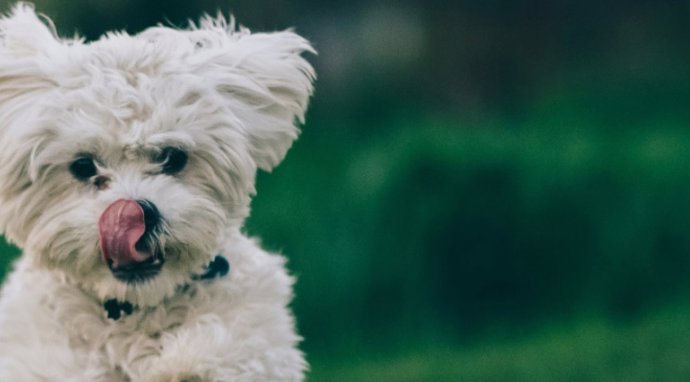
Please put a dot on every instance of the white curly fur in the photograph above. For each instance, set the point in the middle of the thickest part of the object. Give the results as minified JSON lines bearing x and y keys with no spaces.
{"x":228,"y":97}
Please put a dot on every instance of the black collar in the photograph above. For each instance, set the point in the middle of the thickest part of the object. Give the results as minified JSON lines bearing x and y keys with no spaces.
{"x":219,"y":267}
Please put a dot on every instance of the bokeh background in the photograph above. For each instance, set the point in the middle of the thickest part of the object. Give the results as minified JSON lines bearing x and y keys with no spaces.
{"x":483,"y":191}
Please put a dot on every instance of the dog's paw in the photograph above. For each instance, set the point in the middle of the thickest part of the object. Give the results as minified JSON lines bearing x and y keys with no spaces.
{"x":176,"y":377}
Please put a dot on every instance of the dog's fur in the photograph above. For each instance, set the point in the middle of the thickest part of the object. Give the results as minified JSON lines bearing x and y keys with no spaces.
{"x":230,"y":99}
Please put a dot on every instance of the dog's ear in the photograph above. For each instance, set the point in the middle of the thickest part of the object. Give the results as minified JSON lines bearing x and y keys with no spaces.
{"x":23,"y":34}
{"x":263,"y":79}
{"x":26,"y":48}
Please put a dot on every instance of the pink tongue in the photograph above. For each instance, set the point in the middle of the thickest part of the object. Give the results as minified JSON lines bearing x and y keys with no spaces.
{"x":120,"y":227}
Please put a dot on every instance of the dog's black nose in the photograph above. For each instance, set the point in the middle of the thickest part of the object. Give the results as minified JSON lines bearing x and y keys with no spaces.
{"x":151,"y":214}
{"x":152,"y":220}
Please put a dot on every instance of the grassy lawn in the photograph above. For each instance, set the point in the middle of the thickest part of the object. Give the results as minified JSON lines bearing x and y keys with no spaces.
{"x":653,"y":348}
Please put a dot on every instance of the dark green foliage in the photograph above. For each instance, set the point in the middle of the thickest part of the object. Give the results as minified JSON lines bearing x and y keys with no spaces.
{"x":443,"y":230}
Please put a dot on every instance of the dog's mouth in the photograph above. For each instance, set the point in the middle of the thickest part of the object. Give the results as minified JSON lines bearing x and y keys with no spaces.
{"x":128,"y":241}
{"x":137,"y":272}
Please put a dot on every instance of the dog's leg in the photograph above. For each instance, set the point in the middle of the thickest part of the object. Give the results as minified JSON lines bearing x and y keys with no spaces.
{"x":239,"y":328}
{"x":214,"y":352}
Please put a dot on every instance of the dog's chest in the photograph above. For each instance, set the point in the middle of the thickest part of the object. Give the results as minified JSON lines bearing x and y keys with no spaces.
{"x":126,"y":343}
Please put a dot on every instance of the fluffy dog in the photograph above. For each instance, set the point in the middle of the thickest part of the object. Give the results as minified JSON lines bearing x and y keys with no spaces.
{"x":126,"y":170}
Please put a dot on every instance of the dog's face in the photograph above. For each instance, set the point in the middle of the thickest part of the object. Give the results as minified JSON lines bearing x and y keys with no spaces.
{"x":127,"y":161}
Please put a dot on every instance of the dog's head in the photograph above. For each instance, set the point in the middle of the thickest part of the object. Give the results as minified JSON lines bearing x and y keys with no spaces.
{"x":126,"y":161}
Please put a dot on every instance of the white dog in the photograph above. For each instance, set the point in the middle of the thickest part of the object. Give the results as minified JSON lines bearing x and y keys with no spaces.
{"x":126,"y":170}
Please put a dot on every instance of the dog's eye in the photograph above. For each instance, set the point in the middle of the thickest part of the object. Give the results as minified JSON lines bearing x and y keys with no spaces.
{"x":83,"y":168}
{"x":173,"y":160}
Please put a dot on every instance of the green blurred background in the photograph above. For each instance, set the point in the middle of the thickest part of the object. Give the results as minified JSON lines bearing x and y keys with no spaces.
{"x":483,"y":191}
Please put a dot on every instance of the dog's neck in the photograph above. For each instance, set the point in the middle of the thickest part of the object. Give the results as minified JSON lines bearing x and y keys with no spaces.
{"x":219,"y":267}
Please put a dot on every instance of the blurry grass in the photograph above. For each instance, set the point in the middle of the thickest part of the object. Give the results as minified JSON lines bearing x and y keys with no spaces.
{"x":654,"y":348}
{"x":450,"y":227}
